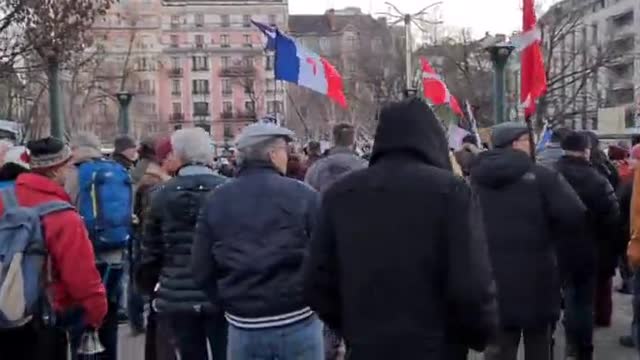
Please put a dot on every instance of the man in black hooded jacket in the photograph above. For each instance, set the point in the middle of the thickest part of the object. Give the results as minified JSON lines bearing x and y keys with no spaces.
{"x":526,"y":207}
{"x":599,"y":251}
{"x":398,"y":263}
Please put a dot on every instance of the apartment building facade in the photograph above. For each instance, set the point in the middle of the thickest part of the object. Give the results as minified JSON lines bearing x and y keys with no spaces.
{"x":594,"y":60}
{"x":191,"y":63}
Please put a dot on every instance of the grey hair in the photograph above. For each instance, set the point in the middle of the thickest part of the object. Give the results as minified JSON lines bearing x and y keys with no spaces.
{"x":192,"y":145}
{"x":258,"y":152}
{"x":85,"y":139}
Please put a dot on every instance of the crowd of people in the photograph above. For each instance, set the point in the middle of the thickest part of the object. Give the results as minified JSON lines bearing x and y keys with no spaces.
{"x":412,"y":251}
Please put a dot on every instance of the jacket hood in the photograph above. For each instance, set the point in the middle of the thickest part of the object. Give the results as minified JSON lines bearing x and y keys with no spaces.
{"x":500,"y":167}
{"x":153,"y":175}
{"x":410,"y":127}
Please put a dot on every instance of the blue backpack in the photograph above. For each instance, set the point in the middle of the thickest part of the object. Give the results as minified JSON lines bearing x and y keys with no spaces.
{"x":22,"y":258}
{"x":106,"y":203}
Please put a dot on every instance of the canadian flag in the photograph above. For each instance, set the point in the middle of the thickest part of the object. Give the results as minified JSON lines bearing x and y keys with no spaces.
{"x":534,"y":78}
{"x":436,"y":90}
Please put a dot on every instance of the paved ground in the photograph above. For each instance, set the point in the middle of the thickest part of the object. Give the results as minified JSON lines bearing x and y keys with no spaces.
{"x":606,"y":340}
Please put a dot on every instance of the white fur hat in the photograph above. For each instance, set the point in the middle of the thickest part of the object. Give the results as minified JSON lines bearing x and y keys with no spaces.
{"x":18,"y":155}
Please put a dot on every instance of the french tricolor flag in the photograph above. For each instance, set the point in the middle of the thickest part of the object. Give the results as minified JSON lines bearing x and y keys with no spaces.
{"x":298,"y":65}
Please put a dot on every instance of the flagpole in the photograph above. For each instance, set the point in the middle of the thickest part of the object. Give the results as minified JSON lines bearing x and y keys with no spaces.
{"x":532,"y":144}
{"x":275,"y":79}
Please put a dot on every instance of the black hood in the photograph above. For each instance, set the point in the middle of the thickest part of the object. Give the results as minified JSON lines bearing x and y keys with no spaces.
{"x":411,"y":127}
{"x":499,"y":167}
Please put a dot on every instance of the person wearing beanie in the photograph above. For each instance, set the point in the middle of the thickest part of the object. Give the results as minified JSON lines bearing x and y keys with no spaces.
{"x":125,"y":151}
{"x":398,"y":263}
{"x":155,"y":171}
{"x":249,"y":248}
{"x":85,"y":147}
{"x":520,"y":200}
{"x":75,"y":280}
{"x":599,"y":244}
{"x":16,"y":162}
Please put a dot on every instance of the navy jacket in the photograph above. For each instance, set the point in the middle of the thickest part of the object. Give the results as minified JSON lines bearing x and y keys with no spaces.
{"x":251,"y":241}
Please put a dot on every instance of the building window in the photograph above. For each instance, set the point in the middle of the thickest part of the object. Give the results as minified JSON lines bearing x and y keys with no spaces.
{"x":246,"y":21}
{"x":248,"y":86}
{"x":224,"y":62}
{"x":199,"y":20}
{"x":174,"y":40}
{"x":201,"y":108}
{"x":226,"y":22}
{"x":227,"y":107}
{"x":175,"y":87}
{"x":147,"y":87}
{"x":226,"y":87}
{"x":247,"y":61}
{"x":200,"y":87}
{"x":224,"y":41}
{"x":228,"y":132}
{"x":200,"y":63}
{"x":176,"y":107}
{"x":324,"y":44}
{"x":594,"y":34}
{"x":249,"y":107}
{"x":269,"y":62}
{"x":176,"y":63}
{"x":274,"y":107}
{"x":200,"y":41}
{"x":352,"y":42}
{"x":247,"y":41}
{"x":376,"y":45}
{"x":270,"y":84}
{"x":273,"y":20}
{"x":175,"y":21}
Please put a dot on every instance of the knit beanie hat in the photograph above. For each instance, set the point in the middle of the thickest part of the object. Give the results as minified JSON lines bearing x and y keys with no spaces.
{"x":18,"y":155}
{"x":48,"y":153}
{"x":575,"y":141}
{"x":163,"y":148}
{"x":504,"y":134}
{"x":123,"y":143}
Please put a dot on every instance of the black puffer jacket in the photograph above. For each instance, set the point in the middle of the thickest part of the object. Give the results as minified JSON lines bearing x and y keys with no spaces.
{"x":168,"y":238}
{"x":399,"y":262}
{"x":526,"y":207}
{"x":603,"y":232}
{"x":251,"y":240}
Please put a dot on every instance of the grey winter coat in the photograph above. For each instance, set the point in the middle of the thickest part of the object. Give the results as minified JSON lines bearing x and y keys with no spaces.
{"x":327,"y":170}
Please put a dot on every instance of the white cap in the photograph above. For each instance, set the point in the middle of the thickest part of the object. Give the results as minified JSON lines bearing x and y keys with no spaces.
{"x":18,"y":155}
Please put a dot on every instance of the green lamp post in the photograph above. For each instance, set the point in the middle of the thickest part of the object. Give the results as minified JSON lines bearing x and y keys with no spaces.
{"x":124,"y":99}
{"x":499,"y":56}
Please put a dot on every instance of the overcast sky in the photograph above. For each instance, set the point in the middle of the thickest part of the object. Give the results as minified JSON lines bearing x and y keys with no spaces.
{"x":495,"y":16}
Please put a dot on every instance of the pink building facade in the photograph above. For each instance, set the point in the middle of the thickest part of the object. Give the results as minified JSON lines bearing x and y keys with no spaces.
{"x":196,"y":63}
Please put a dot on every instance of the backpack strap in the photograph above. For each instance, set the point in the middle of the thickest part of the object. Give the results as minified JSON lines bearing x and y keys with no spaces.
{"x":52,"y":207}
{"x":9,"y":199}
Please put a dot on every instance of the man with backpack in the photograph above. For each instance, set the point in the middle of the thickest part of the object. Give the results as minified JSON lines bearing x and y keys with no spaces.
{"x":64,"y":261}
{"x":102,"y":192}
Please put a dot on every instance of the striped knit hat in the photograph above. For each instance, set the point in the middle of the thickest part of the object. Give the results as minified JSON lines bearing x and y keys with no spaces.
{"x":48,"y":153}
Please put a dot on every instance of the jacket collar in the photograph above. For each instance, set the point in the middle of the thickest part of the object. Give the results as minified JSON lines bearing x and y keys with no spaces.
{"x":341,"y":150}
{"x":195,"y":169}
{"x":257,"y":166}
{"x":42,"y":184}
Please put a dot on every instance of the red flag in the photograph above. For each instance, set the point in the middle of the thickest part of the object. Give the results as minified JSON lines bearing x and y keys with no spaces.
{"x":534,"y":79}
{"x":436,"y":90}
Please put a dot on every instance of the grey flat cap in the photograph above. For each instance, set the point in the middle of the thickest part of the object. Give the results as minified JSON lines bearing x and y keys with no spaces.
{"x":502,"y":135}
{"x":260,"y":132}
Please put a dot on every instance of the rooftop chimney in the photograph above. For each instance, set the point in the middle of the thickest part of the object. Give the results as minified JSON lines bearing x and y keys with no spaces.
{"x":331,"y":19}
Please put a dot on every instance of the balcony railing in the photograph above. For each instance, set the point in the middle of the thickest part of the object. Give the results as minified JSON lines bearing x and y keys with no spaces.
{"x":226,"y":115}
{"x":246,"y":114}
{"x":201,"y":113}
{"x":175,"y":72}
{"x":227,"y":92}
{"x":200,"y":92}
{"x":176,"y":117}
{"x":238,"y":71}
